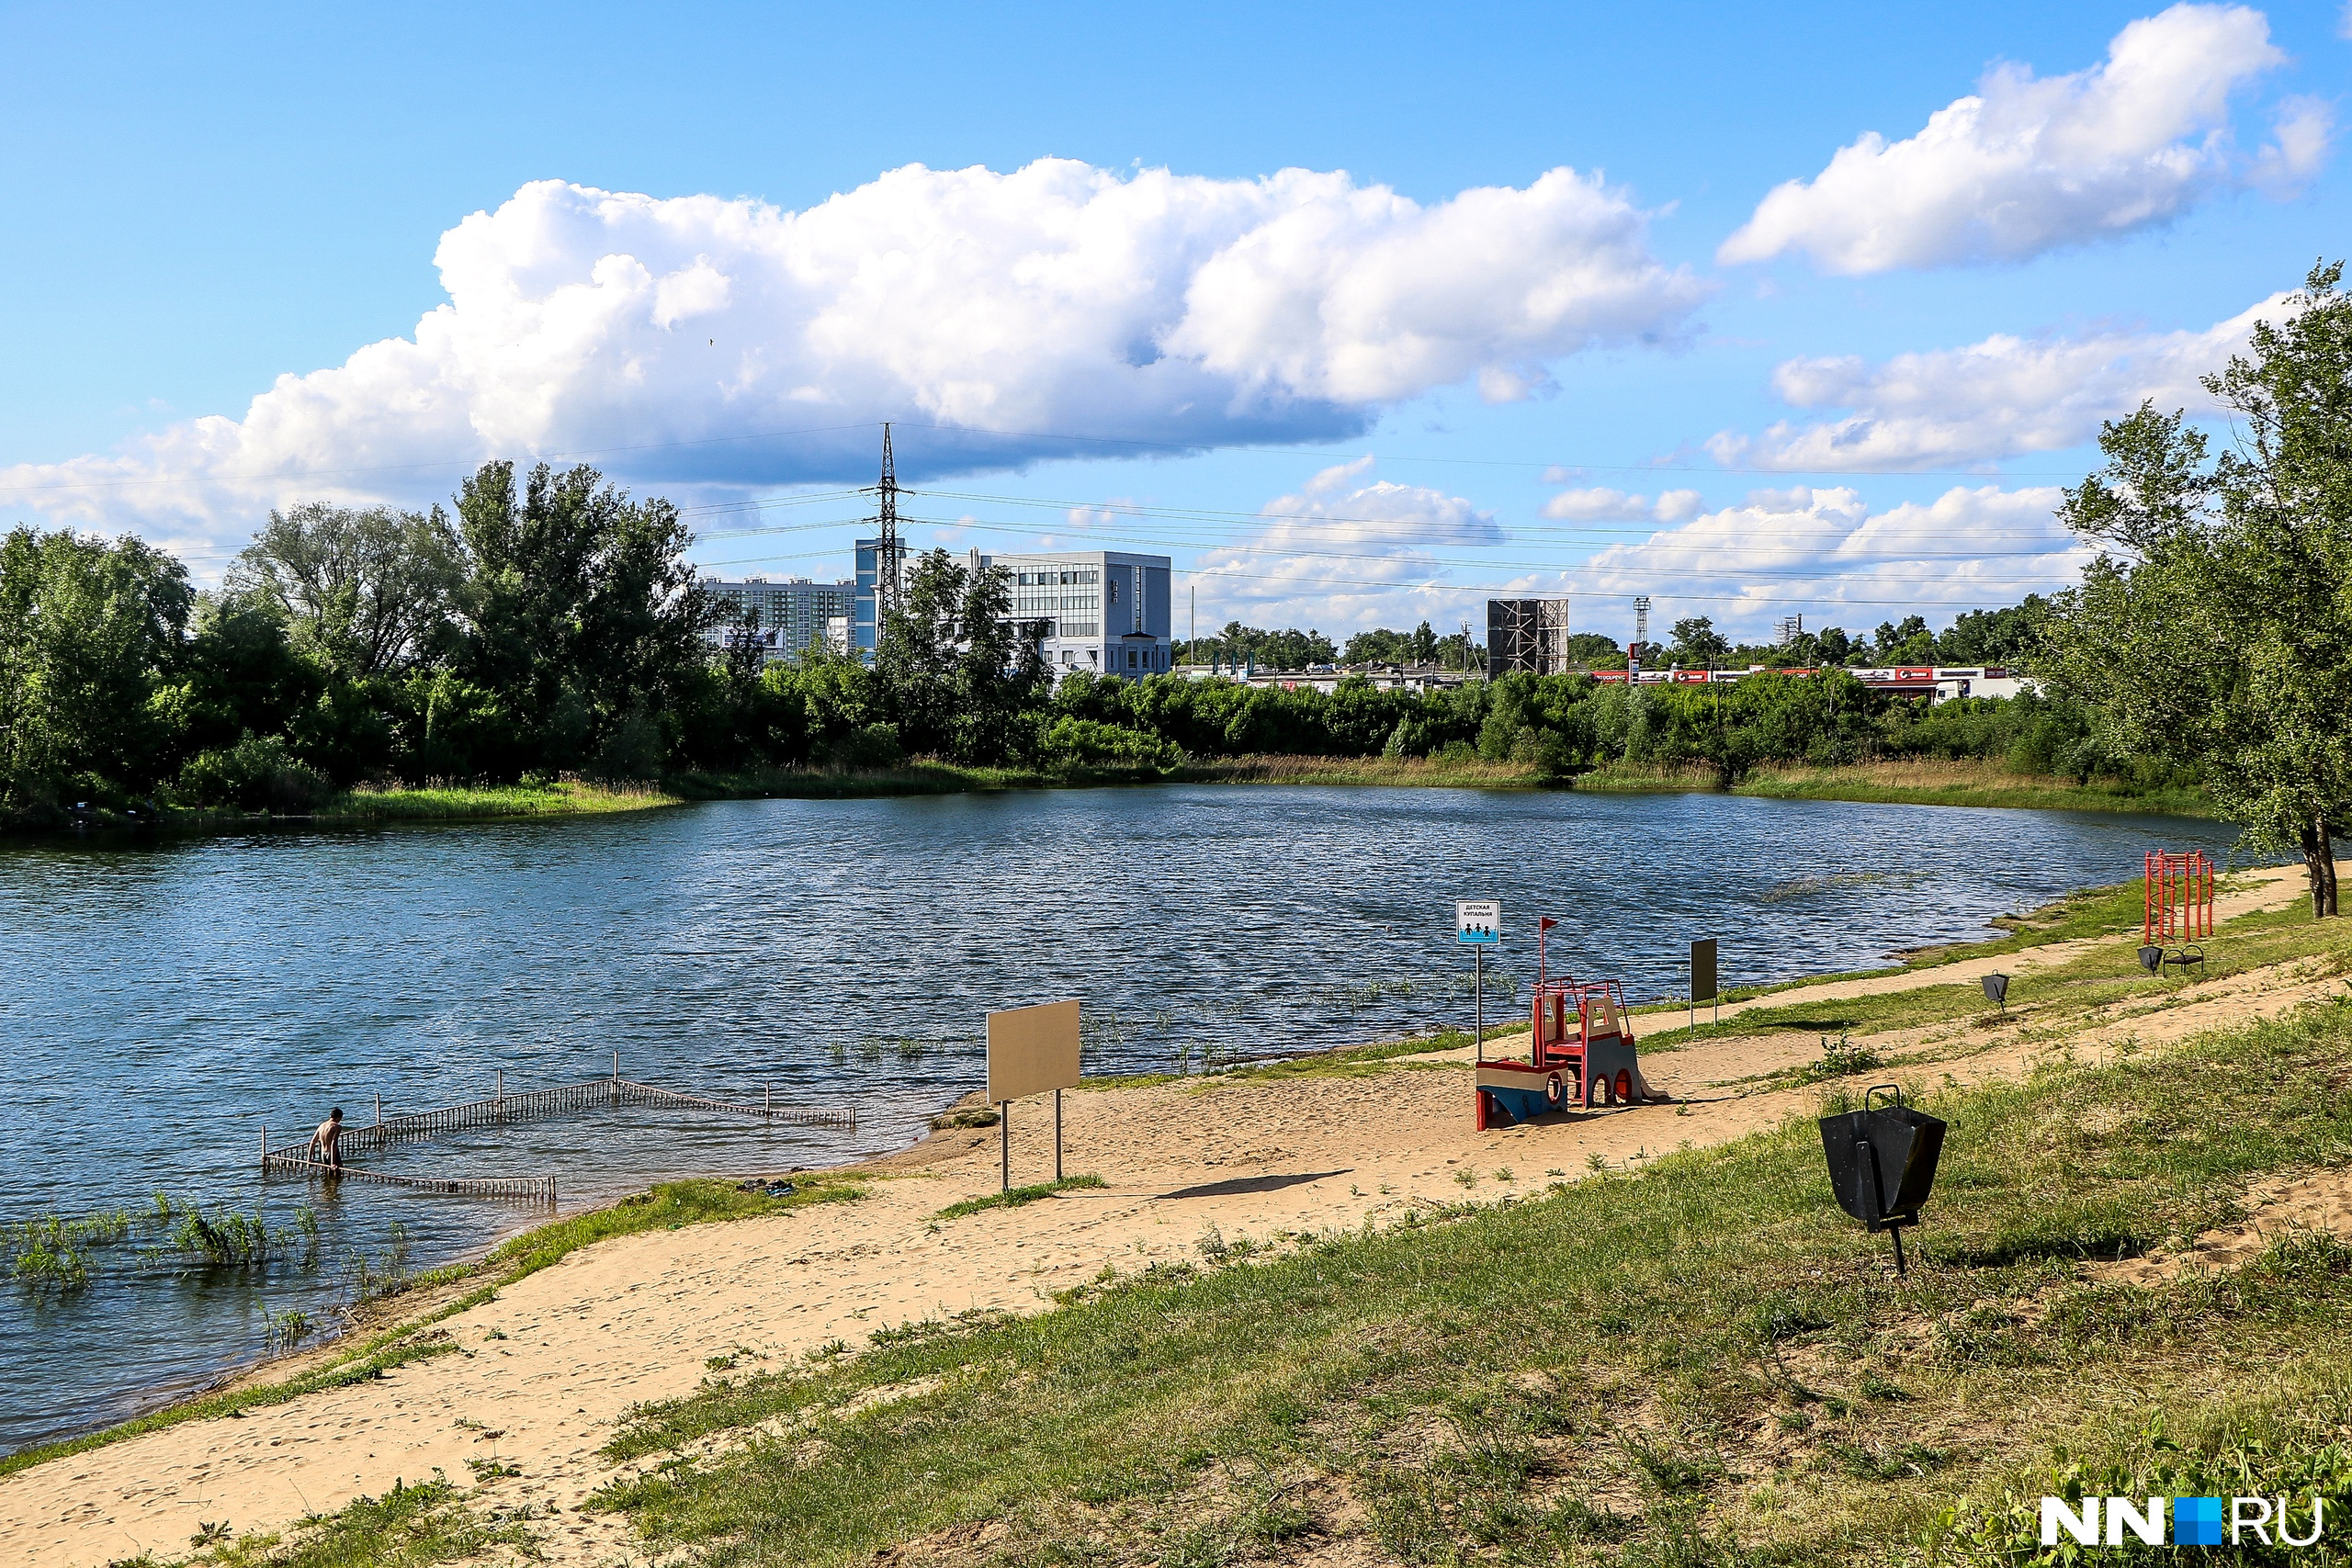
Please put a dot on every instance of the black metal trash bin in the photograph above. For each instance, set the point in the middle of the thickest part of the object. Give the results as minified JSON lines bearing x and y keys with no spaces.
{"x":1883,"y":1161}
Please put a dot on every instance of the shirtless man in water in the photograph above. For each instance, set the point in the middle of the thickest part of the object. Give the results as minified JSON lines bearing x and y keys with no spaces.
{"x":327,"y":1142}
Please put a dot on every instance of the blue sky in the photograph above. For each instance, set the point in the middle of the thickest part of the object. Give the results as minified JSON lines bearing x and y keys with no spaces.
{"x":1336,"y":401}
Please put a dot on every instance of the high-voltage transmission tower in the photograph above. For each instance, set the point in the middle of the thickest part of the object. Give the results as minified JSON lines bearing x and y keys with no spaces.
{"x":891,"y":552}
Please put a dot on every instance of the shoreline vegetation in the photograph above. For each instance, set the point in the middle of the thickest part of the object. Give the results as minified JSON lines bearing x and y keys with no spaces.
{"x":1908,"y":783}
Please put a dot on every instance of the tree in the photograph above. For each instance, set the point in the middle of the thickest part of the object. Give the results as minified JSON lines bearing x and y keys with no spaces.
{"x":241,"y":673}
{"x":958,"y":669}
{"x":2215,"y":625}
{"x":1697,"y":643}
{"x":1992,"y":636}
{"x":582,"y":617}
{"x":88,"y":633}
{"x":1594,"y":649}
{"x":1424,"y":644}
{"x":1910,"y":643}
{"x":1379,"y":646}
{"x":366,"y":592}
{"x":1456,"y":650}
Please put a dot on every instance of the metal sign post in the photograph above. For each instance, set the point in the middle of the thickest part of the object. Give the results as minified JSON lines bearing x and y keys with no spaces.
{"x":1478,"y":925}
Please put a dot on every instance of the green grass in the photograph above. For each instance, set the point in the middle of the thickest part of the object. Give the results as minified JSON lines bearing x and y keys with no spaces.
{"x":1918,"y":782}
{"x":2107,"y":911}
{"x":1933,"y":783}
{"x":1015,"y":1197}
{"x":1701,"y":1364}
{"x":407,"y":1527}
{"x":2056,"y":998}
{"x":464,"y":803}
{"x":921,"y":776}
{"x":1405,"y":772}
{"x":667,"y":1206}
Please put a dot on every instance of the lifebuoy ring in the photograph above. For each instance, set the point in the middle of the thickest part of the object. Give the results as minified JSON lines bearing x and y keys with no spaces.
{"x":1624,"y":1087}
{"x":1554,"y":1090}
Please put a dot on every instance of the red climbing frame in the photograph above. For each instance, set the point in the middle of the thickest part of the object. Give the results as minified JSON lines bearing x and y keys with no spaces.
{"x":2177,"y":905}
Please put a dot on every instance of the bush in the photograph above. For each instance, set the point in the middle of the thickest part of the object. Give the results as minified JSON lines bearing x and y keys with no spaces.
{"x":255,"y":775}
{"x":864,"y":750}
{"x":1085,"y":742}
{"x":633,"y":750}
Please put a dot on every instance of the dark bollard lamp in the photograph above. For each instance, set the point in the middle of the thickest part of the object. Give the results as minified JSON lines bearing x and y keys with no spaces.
{"x":1883,"y":1162}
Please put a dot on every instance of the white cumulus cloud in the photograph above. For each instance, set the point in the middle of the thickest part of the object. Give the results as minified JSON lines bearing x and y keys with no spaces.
{"x":702,"y":339}
{"x":1339,"y":557}
{"x":1965,"y":407}
{"x":1821,"y":551}
{"x":2027,"y":165}
{"x":1601,"y":504}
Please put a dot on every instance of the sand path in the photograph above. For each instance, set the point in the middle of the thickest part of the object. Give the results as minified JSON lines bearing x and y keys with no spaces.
{"x":546,"y":1371}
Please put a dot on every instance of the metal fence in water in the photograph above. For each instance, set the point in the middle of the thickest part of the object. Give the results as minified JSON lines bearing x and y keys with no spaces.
{"x":294,"y":1153}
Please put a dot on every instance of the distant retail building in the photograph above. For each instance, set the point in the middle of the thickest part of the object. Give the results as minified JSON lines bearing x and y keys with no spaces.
{"x":786,"y":617}
{"x":1104,"y":611}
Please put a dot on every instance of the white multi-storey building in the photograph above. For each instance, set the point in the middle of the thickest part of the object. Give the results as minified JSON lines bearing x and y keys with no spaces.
{"x":786,"y":617}
{"x":1105,"y":611}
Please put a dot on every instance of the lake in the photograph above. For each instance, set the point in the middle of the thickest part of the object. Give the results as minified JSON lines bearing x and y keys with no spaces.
{"x":162,"y":1000}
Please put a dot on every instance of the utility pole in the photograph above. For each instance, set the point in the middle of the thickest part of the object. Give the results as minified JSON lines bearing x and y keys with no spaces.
{"x":1193,"y":649}
{"x":887,"y":559}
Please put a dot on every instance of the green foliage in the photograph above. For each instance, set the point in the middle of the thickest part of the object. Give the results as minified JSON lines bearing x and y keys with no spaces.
{"x":364,"y":592}
{"x":551,"y":629}
{"x":1289,"y":649}
{"x":89,"y":631}
{"x":2215,"y":629}
{"x":257,"y":773}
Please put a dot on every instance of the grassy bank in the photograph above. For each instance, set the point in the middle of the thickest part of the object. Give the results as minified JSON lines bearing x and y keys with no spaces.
{"x":1936,"y":783}
{"x":451,"y":802}
{"x":370,"y":1355}
{"x":1433,"y":771}
{"x":1703,"y":1363}
{"x":921,"y":776}
{"x":1911,"y":782}
{"x":1915,"y":783}
{"x":1918,"y":782}
{"x":369,"y":806}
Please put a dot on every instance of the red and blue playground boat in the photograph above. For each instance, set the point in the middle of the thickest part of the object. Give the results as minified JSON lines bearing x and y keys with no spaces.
{"x":1580,"y":1055}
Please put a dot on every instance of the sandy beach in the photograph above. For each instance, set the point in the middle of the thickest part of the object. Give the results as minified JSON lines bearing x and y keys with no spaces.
{"x":546,"y":1370}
